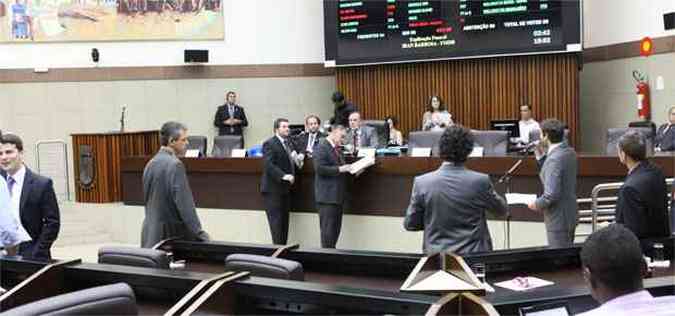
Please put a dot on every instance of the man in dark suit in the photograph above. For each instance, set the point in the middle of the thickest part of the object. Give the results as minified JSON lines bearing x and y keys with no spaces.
{"x":450,"y":204}
{"x":642,"y":204}
{"x":169,"y":207}
{"x":329,"y":185}
{"x":277,"y":179}
{"x":558,"y":174}
{"x":343,"y":109}
{"x":665,"y":135}
{"x":230,"y":117}
{"x":307,"y":141}
{"x":32,"y":200}
{"x":360,"y":135}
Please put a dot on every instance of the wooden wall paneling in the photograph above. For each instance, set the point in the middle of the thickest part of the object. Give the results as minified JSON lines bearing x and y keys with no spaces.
{"x":475,"y":91}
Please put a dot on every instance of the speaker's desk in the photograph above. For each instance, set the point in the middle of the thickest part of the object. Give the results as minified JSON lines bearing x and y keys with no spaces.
{"x":383,"y":189}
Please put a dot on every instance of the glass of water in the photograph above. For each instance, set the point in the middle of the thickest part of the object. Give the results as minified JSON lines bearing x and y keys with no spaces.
{"x":658,"y":255}
{"x":479,"y":271}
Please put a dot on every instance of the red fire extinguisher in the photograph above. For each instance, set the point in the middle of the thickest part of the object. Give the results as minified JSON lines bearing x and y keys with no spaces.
{"x":643,"y":96}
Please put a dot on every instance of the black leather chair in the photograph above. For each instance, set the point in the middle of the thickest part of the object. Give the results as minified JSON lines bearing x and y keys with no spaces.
{"x":263,"y":266}
{"x":494,"y":143}
{"x":137,"y":257}
{"x":115,"y":299}
{"x":425,"y":139}
{"x":198,"y":142}
{"x":645,"y":124}
{"x":613,"y":135}
{"x":382,"y":130}
{"x":223,"y":145}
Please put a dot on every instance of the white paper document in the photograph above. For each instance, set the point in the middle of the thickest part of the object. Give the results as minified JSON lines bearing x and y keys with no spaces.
{"x":524,"y":284}
{"x":477,"y":152}
{"x":421,"y":152}
{"x":366,"y":152}
{"x":238,"y":153}
{"x":520,"y":198}
{"x":361,"y":165}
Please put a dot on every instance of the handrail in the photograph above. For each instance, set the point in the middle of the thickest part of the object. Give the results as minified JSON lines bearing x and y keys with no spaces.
{"x":65,"y":160}
{"x":600,"y":210}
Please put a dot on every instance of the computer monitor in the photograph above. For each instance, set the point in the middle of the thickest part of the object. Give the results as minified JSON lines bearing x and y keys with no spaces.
{"x":546,"y":309}
{"x":510,"y":126}
{"x":296,"y":129}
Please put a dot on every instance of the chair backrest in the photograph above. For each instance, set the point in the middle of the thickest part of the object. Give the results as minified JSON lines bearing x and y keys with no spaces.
{"x":263,"y":266}
{"x":198,"y":142}
{"x":613,"y":135}
{"x":493,"y":142}
{"x":223,"y":145}
{"x":381,"y":128}
{"x":646,"y":124}
{"x":137,"y":257}
{"x":428,"y":139}
{"x":115,"y":299}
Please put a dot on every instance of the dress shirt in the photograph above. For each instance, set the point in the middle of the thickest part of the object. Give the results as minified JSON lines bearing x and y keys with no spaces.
{"x":638,"y":303}
{"x":15,"y":201}
{"x":525,"y":128}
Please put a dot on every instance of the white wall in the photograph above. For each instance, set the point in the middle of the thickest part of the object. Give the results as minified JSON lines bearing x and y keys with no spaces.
{"x":256,"y":32}
{"x":609,"y":22}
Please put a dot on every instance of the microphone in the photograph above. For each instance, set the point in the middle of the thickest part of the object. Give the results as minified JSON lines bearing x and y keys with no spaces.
{"x":530,"y":146}
{"x":122,"y":118}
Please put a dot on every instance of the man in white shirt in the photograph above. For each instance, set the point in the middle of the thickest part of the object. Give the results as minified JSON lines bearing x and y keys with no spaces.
{"x":32,"y":201}
{"x":527,"y":124}
{"x":613,"y":266}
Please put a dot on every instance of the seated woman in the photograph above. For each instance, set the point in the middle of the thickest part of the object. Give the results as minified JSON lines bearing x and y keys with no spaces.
{"x":436,"y":118}
{"x":395,"y":136}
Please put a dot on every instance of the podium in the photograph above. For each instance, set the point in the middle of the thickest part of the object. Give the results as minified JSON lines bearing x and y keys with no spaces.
{"x":97,"y":158}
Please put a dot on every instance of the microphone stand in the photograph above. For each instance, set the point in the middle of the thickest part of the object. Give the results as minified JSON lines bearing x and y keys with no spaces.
{"x":124,"y":110}
{"x":506,"y":180}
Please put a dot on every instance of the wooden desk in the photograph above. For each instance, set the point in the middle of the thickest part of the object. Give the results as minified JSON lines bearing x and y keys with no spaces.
{"x":104,"y":152}
{"x":382,"y":190}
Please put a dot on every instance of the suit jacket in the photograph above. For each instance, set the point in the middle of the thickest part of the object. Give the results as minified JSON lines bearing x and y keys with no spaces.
{"x":642,"y":204}
{"x":169,"y":206}
{"x":368,"y":137}
{"x":450,"y":205}
{"x":558,"y":174}
{"x":665,"y":139}
{"x":40,"y":216}
{"x":300,"y":141}
{"x":341,"y":114}
{"x":329,"y":183}
{"x":277,"y":163}
{"x":223,"y":114}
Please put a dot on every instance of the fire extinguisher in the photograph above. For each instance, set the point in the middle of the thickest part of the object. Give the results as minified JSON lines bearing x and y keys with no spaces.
{"x":643,"y":96}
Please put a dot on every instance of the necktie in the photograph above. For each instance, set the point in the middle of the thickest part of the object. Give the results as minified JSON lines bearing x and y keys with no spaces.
{"x":10,"y":185}
{"x":230,"y":110}
{"x":356,"y":139}
{"x":310,"y":142}
{"x":289,"y":153}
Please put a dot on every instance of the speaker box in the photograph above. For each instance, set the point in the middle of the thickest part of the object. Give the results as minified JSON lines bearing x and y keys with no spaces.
{"x":196,"y":56}
{"x":669,"y":21}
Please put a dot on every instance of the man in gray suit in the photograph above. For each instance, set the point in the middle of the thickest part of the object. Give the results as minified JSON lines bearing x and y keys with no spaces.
{"x":450,"y":204}
{"x":558,"y":174}
{"x":360,"y":135}
{"x":329,"y":185}
{"x":169,"y":207}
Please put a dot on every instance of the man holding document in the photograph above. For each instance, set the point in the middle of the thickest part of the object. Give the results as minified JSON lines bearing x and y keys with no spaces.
{"x":329,"y":185}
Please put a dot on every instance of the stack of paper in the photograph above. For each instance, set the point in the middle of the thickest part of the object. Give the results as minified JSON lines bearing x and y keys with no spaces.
{"x":519,"y":198}
{"x":361,"y":165}
{"x":524,"y":284}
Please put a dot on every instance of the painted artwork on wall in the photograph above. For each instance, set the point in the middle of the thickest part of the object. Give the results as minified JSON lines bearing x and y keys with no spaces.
{"x":110,"y":20}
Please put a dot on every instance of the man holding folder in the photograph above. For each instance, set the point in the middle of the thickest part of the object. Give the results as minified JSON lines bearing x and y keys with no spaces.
{"x":329,"y":185}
